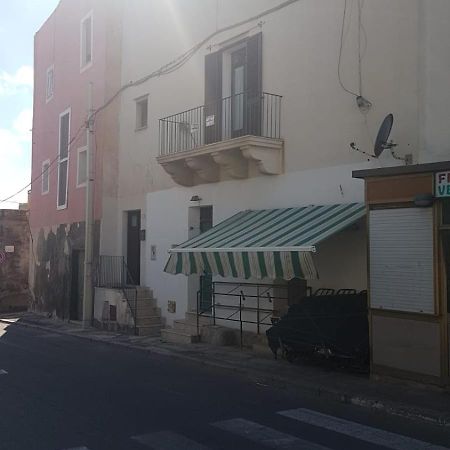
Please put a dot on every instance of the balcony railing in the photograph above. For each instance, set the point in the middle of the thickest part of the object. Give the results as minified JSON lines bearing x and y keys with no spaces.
{"x":248,"y":113}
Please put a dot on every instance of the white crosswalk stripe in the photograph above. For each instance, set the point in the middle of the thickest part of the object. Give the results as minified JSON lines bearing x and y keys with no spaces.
{"x":266,"y":436}
{"x":362,"y":432}
{"x":168,"y":440}
{"x":77,"y":448}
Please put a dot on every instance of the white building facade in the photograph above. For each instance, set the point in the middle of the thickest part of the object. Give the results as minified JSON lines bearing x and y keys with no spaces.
{"x":261,"y":115}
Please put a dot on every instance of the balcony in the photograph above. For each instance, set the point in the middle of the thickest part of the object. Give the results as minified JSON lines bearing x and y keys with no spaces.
{"x":234,"y":138}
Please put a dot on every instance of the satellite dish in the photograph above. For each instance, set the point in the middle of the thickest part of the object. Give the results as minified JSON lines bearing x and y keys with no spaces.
{"x":382,"y":142}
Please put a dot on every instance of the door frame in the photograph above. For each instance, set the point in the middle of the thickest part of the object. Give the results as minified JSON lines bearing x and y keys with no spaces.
{"x":135,"y":272}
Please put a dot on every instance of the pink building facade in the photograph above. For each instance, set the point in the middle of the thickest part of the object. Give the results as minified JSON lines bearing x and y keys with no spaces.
{"x":79,"y":44}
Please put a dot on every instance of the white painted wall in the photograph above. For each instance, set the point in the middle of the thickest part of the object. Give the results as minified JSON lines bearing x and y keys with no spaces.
{"x":434,"y":88}
{"x":167,"y":225}
{"x":405,"y":70}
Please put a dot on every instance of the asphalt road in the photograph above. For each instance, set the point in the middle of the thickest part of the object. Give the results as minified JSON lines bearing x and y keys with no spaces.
{"x":59,"y":392}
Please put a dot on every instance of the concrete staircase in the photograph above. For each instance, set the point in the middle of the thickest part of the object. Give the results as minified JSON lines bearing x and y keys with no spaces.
{"x":147,"y":314}
{"x":184,"y":331}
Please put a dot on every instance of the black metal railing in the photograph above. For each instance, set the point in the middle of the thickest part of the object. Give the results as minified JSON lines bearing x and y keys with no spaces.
{"x":244,"y":303}
{"x":248,"y":113}
{"x":113,"y":273}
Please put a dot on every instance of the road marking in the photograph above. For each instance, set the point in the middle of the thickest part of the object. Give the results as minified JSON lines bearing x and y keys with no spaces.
{"x":3,"y":372}
{"x":362,"y":432}
{"x":266,"y":436}
{"x":77,"y":448}
{"x":168,"y":440}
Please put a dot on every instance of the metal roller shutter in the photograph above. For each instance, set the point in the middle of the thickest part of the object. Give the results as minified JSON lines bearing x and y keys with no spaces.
{"x":401,"y":259}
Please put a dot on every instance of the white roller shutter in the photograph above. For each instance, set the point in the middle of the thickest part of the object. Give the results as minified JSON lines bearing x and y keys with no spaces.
{"x":401,"y":259}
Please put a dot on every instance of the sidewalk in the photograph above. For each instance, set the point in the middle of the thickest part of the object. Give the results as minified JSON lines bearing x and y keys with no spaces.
{"x":393,"y":397}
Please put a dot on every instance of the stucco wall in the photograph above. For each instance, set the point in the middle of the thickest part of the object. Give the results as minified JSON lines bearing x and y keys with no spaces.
{"x":301,"y":46}
{"x":341,"y":260}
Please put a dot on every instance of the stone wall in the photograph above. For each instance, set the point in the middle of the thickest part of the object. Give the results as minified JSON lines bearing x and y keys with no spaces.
{"x":52,"y":277}
{"x":14,"y":260}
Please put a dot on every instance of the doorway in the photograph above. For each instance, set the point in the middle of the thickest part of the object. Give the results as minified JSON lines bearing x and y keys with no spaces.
{"x":206,"y":286}
{"x":77,"y":286}
{"x":134,"y":247}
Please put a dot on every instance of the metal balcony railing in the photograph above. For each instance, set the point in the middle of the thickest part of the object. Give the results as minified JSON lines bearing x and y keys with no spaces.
{"x":248,"y":113}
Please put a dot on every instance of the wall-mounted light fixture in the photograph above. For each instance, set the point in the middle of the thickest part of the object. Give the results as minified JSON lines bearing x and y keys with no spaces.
{"x":195,"y":198}
{"x":424,"y":200}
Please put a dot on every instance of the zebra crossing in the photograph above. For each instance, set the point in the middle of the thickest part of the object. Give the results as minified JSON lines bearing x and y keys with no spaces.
{"x":267,"y":437}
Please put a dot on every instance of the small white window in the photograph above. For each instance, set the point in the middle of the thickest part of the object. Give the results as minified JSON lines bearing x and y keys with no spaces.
{"x":82,"y":167}
{"x":141,"y":113}
{"x":86,"y":41}
{"x":45,"y":176}
{"x":63,"y":159}
{"x":49,"y":84}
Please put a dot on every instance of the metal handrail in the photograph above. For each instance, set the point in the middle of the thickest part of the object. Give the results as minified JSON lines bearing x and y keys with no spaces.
{"x":262,"y":314}
{"x":113,"y":273}
{"x":256,"y":113}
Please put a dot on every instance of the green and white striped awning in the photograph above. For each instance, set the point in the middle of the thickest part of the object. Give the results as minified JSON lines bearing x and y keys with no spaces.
{"x":269,"y":243}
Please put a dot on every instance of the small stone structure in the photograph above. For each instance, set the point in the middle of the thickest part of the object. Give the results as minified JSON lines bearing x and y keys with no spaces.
{"x":14,"y":260}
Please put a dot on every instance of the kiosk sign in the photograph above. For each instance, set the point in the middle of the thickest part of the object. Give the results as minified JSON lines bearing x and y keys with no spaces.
{"x":442,"y":184}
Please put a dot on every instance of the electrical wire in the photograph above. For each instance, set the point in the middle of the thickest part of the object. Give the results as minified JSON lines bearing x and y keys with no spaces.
{"x":166,"y":69}
{"x":341,"y":47}
{"x":181,"y":60}
{"x":5,"y":200}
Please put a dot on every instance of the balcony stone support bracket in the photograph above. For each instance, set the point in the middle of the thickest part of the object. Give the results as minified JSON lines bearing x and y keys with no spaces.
{"x":232,"y":163}
{"x":205,"y":167}
{"x":269,"y":161}
{"x":232,"y":157}
{"x":179,"y":172}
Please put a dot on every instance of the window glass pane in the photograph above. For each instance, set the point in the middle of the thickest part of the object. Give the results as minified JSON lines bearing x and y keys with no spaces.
{"x":82,"y":167}
{"x":62,"y":183}
{"x":64,"y":136}
{"x":141,"y":113}
{"x":88,"y":42}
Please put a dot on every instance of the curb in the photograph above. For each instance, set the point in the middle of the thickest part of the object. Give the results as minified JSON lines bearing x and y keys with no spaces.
{"x":314,"y":390}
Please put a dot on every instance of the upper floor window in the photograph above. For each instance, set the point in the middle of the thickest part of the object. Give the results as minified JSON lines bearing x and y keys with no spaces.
{"x":63,"y":158}
{"x":82,"y":167}
{"x":86,"y":41}
{"x":45,"y":176}
{"x":141,"y":112}
{"x":49,"y":84}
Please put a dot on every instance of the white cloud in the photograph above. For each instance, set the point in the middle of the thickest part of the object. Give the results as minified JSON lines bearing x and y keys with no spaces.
{"x":22,"y":80}
{"x":15,"y":144}
{"x":23,"y":123}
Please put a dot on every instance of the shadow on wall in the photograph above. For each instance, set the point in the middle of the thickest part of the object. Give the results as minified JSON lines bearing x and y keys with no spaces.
{"x":53,"y":267}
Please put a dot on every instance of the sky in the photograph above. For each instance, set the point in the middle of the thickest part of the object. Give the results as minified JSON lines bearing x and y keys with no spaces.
{"x":19,"y":21}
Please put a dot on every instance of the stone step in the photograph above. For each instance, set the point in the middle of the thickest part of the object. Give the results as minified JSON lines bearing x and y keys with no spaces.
{"x":143,"y":321}
{"x":185,"y":327}
{"x":191,"y":317}
{"x":141,"y":304}
{"x":149,"y":330}
{"x":178,"y":337}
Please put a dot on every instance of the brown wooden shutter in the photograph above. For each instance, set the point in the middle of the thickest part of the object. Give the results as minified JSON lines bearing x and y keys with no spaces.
{"x":254,"y":84}
{"x":213,"y":95}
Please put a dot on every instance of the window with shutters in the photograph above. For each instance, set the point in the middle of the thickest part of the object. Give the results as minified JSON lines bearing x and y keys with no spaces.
{"x":86,"y":41}
{"x":63,"y":159}
{"x":45,"y":177}
{"x":49,"y":84}
{"x":141,"y":112}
